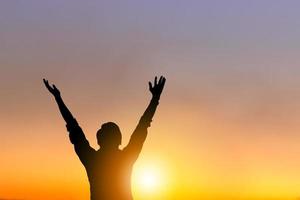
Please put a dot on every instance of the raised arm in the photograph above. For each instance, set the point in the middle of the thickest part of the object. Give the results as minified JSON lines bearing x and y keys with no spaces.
{"x":77,"y":136}
{"x":140,"y":133}
{"x":156,"y":91}
{"x":65,"y":112}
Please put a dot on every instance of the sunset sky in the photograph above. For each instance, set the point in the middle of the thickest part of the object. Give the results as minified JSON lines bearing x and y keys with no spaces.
{"x":227,"y":126}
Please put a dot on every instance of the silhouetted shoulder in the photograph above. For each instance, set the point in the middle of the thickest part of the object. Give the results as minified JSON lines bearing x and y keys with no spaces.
{"x":81,"y":144}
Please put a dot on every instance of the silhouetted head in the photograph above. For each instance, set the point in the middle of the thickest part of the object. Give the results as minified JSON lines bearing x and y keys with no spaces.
{"x":109,"y":136}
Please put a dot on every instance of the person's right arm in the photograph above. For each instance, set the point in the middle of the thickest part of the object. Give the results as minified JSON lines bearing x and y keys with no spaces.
{"x":65,"y":112}
{"x":77,"y":136}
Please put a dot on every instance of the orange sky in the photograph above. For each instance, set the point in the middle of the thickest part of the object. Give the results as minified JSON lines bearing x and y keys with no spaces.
{"x":227,"y":126}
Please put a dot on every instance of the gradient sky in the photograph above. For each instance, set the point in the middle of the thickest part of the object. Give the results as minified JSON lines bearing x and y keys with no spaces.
{"x":227,"y":126}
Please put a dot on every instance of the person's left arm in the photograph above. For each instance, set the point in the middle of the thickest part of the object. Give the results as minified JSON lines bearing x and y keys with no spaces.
{"x":140,"y":133}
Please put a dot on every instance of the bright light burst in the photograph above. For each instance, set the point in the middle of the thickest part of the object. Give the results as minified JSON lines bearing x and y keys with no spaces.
{"x":148,"y":179}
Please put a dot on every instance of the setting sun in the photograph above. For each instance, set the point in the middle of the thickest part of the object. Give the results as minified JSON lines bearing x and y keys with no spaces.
{"x":149,"y":179}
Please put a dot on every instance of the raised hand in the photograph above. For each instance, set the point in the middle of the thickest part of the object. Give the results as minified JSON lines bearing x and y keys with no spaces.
{"x":157,"y":87}
{"x":53,"y":90}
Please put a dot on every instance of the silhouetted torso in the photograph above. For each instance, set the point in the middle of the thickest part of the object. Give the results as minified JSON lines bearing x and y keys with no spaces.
{"x":109,"y":171}
{"x":109,"y":174}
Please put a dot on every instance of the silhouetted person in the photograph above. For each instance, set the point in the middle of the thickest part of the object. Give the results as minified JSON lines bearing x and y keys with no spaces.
{"x":109,"y":168}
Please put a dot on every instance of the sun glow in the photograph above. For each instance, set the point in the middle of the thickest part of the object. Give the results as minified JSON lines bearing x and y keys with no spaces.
{"x":149,"y":180}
